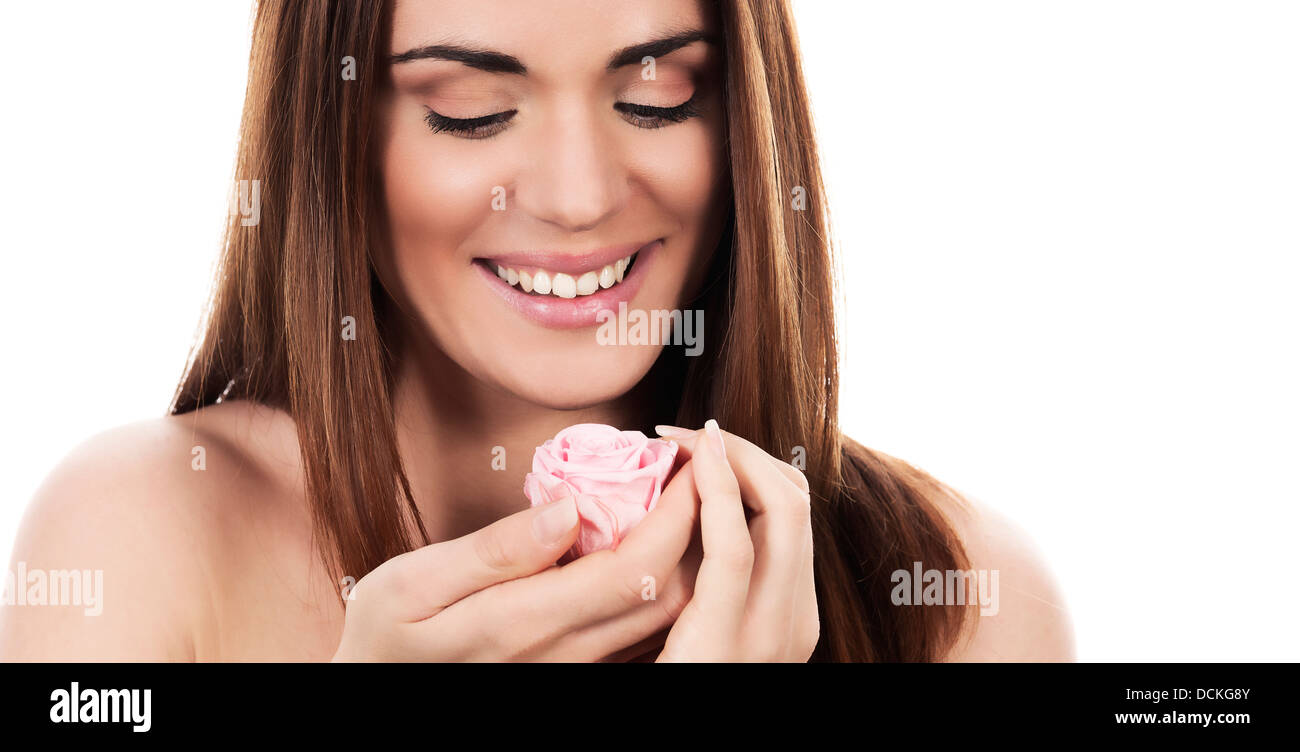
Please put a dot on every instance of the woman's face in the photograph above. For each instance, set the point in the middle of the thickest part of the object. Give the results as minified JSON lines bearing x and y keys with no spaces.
{"x":545,"y":141}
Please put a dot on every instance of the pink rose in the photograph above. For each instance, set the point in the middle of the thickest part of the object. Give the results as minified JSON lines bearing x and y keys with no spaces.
{"x":615,"y":476}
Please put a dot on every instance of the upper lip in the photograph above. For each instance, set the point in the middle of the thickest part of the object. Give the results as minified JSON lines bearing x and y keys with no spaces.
{"x":567,"y":262}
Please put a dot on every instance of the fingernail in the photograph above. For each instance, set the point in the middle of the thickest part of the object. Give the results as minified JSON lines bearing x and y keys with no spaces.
{"x":555,"y":521}
{"x":675,"y":432}
{"x":711,"y":428}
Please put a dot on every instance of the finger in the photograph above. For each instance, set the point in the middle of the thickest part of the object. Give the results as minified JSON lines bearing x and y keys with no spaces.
{"x":600,"y":586}
{"x":644,"y":651}
{"x":641,"y":628}
{"x":766,"y":488}
{"x":737,"y":447}
{"x":431,"y":578}
{"x":606,"y":583}
{"x":539,"y":618}
{"x":463,"y":633}
{"x":723,"y":583}
{"x":781,"y":531}
{"x":807,"y":620}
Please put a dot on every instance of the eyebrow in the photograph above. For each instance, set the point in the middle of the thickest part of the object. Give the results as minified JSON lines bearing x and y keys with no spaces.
{"x":656,"y":48}
{"x":499,"y":62}
{"x":484,"y":60}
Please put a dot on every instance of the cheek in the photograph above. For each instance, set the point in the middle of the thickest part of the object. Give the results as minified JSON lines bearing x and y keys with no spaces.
{"x":688,"y":182}
{"x":435,"y":196}
{"x":684,"y":174}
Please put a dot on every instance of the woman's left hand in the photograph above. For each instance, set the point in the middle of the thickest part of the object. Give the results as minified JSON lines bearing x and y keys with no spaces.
{"x":754,"y":598}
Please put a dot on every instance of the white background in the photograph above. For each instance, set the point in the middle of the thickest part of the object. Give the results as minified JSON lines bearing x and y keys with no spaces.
{"x":1070,"y":232}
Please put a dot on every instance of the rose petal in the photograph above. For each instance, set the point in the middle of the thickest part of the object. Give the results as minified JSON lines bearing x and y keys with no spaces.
{"x":617,"y":475}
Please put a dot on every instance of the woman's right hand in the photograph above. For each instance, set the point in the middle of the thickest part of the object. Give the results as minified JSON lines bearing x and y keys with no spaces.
{"x":493,"y":595}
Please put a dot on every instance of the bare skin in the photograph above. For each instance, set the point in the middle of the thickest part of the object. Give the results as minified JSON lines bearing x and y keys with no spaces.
{"x":219,"y":563}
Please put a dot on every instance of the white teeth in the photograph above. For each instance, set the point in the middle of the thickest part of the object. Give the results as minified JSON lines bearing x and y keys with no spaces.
{"x":542,"y":283}
{"x":565,"y":285}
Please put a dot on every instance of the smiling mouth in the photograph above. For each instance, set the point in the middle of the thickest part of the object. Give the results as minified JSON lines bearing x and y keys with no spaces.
{"x":541,"y":282}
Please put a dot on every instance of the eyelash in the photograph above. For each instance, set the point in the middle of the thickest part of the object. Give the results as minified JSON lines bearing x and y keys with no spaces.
{"x":639,"y":115}
{"x":472,"y":128}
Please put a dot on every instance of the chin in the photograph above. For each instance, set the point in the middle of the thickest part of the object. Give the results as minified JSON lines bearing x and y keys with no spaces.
{"x":573,"y":378}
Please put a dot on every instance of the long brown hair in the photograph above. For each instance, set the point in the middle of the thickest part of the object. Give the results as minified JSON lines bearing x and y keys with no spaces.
{"x":769,"y":374}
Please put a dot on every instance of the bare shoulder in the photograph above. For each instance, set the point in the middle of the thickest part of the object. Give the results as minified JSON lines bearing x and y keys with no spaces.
{"x":1025,"y":618}
{"x":119,"y":548}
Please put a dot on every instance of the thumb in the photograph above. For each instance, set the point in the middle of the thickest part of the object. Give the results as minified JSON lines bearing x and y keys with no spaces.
{"x":522,"y":544}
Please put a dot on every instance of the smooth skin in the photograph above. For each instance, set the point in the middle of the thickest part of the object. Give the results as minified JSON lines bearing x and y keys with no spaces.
{"x":439,"y":602}
{"x":220,"y":563}
{"x":754,"y":598}
{"x":435,"y":602}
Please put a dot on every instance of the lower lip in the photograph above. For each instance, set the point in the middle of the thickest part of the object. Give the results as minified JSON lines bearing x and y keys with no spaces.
{"x":555,"y":312}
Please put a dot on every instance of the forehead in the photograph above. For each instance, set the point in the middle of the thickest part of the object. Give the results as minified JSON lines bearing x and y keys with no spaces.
{"x":548,"y":36}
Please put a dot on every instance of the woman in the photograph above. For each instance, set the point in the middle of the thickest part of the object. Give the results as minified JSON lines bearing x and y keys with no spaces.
{"x":448,"y":193}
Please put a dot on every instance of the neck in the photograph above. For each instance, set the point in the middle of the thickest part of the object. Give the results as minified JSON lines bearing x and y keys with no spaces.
{"x":455,"y":433}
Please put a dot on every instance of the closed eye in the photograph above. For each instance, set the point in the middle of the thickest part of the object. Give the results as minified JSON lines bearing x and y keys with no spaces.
{"x":486,"y":126}
{"x":473,"y":128}
{"x":645,"y":116}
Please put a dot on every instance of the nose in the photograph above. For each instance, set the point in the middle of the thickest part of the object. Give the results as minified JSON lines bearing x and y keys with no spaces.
{"x":575,"y":179}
